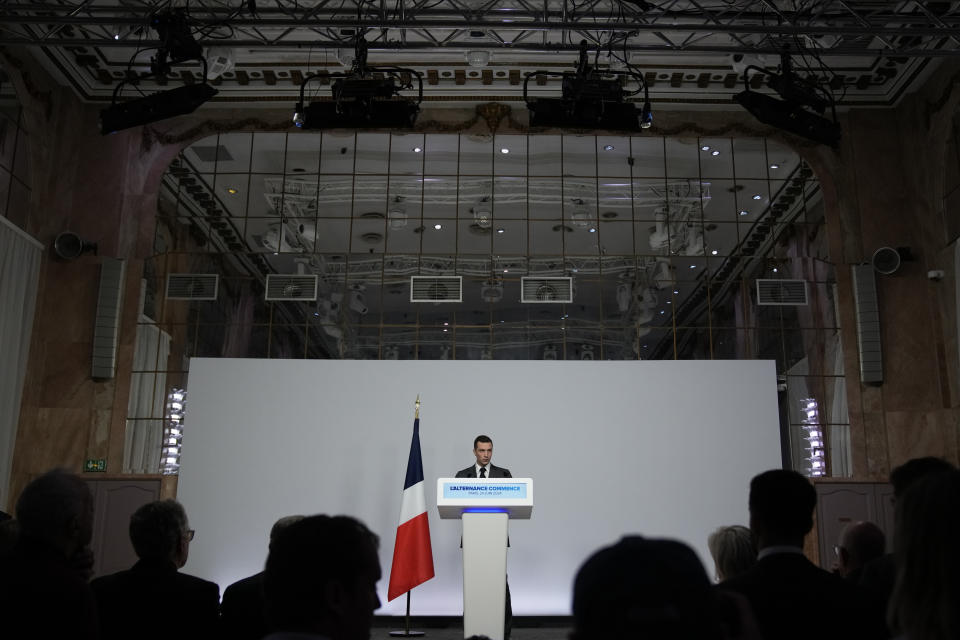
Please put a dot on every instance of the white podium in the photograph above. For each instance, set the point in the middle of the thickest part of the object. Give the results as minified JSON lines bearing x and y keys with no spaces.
{"x":484,"y":506}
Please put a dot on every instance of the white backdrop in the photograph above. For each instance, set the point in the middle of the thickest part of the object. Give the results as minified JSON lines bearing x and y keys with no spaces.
{"x":662,"y":448}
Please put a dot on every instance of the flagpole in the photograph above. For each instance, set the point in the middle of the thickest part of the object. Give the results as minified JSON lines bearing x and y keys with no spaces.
{"x":407,"y":633}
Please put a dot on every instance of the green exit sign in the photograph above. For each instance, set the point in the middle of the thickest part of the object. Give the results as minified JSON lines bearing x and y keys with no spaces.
{"x":93,"y":465}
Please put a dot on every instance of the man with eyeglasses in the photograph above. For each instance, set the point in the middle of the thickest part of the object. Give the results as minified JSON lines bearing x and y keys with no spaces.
{"x":153,"y":599}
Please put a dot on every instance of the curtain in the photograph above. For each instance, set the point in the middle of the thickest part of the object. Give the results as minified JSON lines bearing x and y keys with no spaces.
{"x":20,"y":257}
{"x":145,"y":412}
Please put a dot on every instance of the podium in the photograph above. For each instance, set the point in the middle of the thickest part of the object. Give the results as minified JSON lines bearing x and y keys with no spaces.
{"x":485,"y":507}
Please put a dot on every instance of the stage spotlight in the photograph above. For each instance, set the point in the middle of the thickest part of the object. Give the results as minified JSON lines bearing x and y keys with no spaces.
{"x":177,"y":42}
{"x":387,"y":114}
{"x":360,"y":100}
{"x":646,"y":116}
{"x":591,"y":98}
{"x":155,"y":107}
{"x":801,"y":109}
{"x":791,"y":117}
{"x":177,"y":46}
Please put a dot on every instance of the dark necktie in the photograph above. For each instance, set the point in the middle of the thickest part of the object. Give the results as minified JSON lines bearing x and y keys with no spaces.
{"x":483,"y":472}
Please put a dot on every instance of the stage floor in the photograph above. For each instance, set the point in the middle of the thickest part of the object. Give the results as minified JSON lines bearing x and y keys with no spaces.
{"x":524,"y":628}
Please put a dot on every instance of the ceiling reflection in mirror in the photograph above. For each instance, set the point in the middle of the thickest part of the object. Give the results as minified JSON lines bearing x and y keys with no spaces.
{"x":533,"y":246}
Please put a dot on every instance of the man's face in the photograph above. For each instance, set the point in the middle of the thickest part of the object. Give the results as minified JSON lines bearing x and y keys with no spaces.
{"x":362,"y":601}
{"x":483,"y":451}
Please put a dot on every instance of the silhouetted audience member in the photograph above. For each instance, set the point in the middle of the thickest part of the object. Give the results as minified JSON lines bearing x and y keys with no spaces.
{"x":879,"y":576}
{"x":321,"y":580}
{"x":43,"y":580}
{"x":926,"y":597}
{"x":732,"y":550}
{"x":152,"y":599}
{"x":791,"y":597}
{"x":242,"y":612}
{"x":860,"y":542}
{"x":641,"y":588}
{"x":8,"y":534}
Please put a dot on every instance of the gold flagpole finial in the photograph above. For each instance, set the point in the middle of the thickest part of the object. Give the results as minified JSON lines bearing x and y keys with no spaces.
{"x":416,"y":413}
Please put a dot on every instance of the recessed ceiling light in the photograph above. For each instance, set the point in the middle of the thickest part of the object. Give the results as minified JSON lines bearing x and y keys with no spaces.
{"x":774,"y":269}
{"x":669,"y":302}
{"x":506,"y":270}
{"x":231,"y":191}
{"x":662,"y":312}
{"x":417,"y":149}
{"x":500,"y":230}
{"x":693,"y":266}
{"x":504,"y":150}
{"x":744,"y":213}
{"x":705,"y":147}
{"x":438,"y":226}
{"x":608,"y":147}
{"x":774,"y":166}
{"x":757,"y":196}
{"x":593,"y":230}
{"x":676,"y":291}
{"x":714,"y":153}
{"x":714,"y":252}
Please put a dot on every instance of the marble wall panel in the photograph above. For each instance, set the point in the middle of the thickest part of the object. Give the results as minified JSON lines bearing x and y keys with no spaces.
{"x":910,"y":368}
{"x":68,"y":299}
{"x":875,"y":447}
{"x":49,"y":438}
{"x":858,"y":439}
{"x":913,"y":434}
{"x":66,"y":380}
{"x":871,"y":397}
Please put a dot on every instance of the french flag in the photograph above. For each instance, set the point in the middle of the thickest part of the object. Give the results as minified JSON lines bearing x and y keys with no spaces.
{"x":412,"y":553}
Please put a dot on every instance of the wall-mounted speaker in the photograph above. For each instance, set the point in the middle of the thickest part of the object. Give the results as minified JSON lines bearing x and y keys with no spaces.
{"x":868,"y":324}
{"x":106,"y":329}
{"x":886,"y":260}
{"x":69,"y":246}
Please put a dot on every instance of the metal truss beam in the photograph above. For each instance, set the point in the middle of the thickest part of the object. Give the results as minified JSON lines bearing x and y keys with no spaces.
{"x":909,"y":29}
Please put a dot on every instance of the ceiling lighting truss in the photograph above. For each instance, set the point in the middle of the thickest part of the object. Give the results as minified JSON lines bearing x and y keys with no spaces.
{"x":845,"y":27}
{"x":364,"y":97}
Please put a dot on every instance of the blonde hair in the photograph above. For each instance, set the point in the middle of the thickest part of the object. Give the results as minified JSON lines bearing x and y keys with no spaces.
{"x":732,"y":550}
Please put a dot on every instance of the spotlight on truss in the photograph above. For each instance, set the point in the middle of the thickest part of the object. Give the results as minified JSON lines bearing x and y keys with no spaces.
{"x":359,"y":100}
{"x":155,"y":107}
{"x":591,"y":98}
{"x":177,"y":46}
{"x":800,"y":109}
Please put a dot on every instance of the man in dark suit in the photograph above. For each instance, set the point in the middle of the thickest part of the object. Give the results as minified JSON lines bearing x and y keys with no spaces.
{"x":242,"y":612}
{"x":321,"y":580}
{"x":153,"y":600}
{"x":483,"y":451}
{"x":791,"y":597}
{"x":482,"y":468}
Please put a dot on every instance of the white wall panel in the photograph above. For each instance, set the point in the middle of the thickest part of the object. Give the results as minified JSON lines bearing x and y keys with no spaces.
{"x":661,"y":448}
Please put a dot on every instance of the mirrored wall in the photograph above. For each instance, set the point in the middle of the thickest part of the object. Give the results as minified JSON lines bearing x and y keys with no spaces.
{"x":566,"y":247}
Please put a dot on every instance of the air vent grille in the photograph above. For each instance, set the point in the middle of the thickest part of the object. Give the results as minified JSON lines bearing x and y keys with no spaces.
{"x":288,"y":287}
{"x":192,"y":286}
{"x":782,"y":293}
{"x":546,"y":290}
{"x":436,"y":289}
